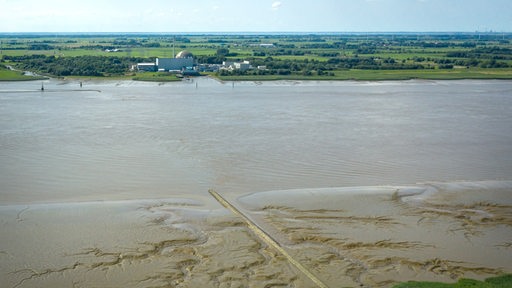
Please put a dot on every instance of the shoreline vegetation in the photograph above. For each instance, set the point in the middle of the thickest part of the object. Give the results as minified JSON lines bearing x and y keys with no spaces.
{"x":332,"y":57}
{"x":7,"y":74}
{"x":492,"y":282}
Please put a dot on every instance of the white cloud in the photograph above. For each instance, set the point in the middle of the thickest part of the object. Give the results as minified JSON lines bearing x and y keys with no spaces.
{"x":276,"y":5}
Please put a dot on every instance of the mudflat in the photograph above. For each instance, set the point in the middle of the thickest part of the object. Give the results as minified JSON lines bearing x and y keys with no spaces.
{"x":348,"y":237}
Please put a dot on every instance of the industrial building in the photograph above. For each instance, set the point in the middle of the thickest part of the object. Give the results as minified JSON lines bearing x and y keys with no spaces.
{"x":184,"y":61}
{"x":184,"y":64}
{"x":174,"y":64}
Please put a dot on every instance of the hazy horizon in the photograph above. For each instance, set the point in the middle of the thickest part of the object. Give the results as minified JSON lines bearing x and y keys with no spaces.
{"x":198,"y":33}
{"x":250,"y":16}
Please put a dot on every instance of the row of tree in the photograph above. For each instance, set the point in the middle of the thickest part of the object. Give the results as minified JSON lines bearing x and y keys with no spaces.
{"x":76,"y":66}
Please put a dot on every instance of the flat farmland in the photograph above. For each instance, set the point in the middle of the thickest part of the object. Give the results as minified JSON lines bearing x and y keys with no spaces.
{"x":335,"y":56}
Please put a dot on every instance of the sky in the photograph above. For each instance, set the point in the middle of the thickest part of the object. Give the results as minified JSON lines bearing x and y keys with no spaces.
{"x":255,"y":16}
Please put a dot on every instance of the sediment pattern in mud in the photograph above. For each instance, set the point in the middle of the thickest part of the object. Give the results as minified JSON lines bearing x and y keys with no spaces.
{"x":386,"y":239}
{"x":193,"y":248}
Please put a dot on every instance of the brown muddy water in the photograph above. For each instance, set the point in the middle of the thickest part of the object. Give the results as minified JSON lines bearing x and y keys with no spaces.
{"x":137,"y":140}
{"x":362,"y":183}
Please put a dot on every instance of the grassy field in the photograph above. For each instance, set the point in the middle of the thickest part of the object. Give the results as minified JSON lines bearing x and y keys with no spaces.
{"x":156,"y":77}
{"x":10,"y":75}
{"x":342,"y":56}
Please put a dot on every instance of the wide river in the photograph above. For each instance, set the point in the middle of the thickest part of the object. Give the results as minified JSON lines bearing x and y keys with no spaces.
{"x":113,"y":140}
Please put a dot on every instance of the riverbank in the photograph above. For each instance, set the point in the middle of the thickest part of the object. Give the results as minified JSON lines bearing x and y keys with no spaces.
{"x":383,"y":75}
{"x":355,"y":75}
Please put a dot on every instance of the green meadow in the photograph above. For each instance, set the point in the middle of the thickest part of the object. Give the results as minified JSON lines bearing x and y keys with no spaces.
{"x":10,"y":75}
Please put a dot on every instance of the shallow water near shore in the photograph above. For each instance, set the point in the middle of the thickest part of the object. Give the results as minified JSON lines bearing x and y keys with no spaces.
{"x":109,"y":185}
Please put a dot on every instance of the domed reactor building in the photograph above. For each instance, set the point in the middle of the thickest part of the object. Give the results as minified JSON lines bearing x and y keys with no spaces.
{"x":184,"y":61}
{"x":184,"y":54}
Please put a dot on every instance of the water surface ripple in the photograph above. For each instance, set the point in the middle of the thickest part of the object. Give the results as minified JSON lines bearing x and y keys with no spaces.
{"x":130,"y":140}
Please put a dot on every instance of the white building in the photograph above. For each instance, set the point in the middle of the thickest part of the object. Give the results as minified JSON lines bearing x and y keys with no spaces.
{"x":146,"y":67}
{"x":243,"y":66}
{"x":228,"y":64}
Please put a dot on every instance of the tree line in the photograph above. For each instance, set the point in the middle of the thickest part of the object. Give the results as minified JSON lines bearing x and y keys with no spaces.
{"x":74,"y":66}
